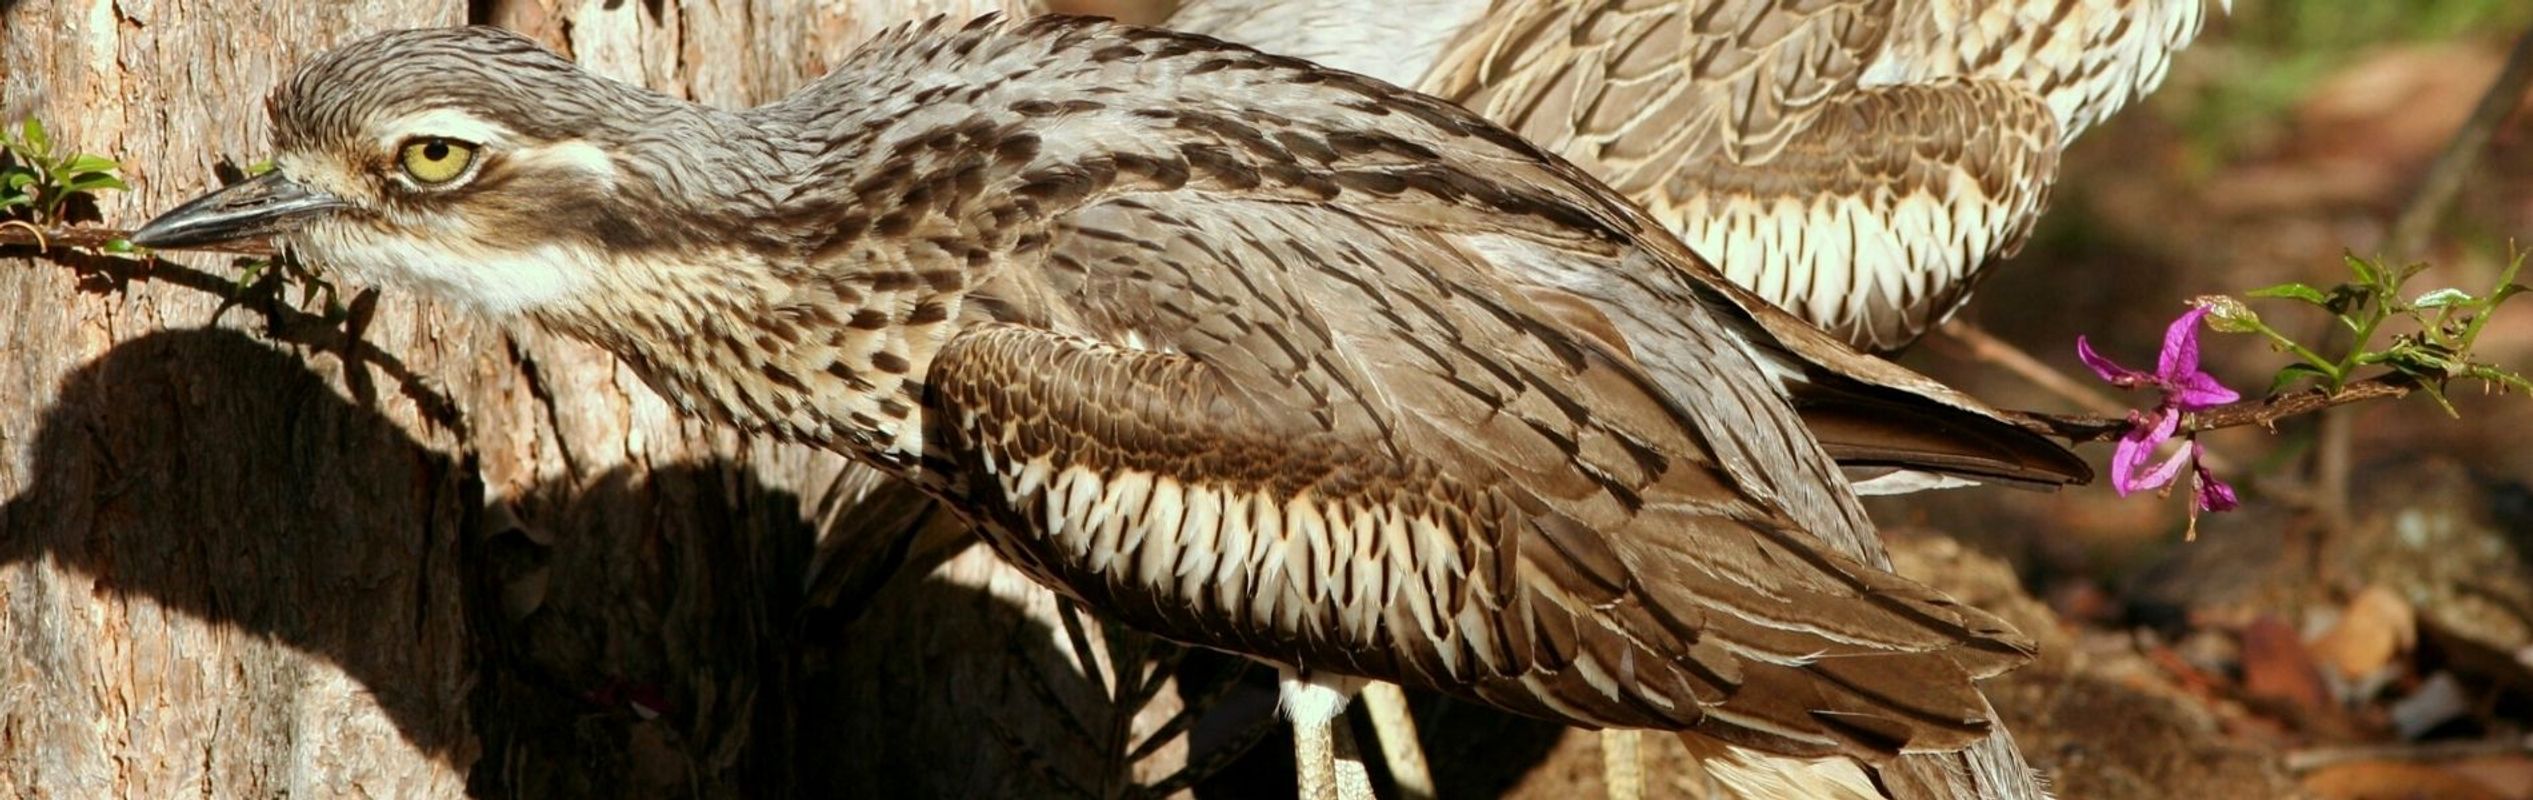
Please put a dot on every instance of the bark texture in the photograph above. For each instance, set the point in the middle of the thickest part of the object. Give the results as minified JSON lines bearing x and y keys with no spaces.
{"x":247,"y":550}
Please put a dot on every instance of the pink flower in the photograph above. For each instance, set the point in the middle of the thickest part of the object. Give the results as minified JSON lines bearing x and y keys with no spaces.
{"x":2130,"y":471}
{"x":2176,"y":369}
{"x":2185,"y":389}
{"x":2213,"y":494}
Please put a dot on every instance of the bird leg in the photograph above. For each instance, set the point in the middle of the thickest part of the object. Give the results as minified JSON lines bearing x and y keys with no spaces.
{"x":1354,"y":780}
{"x":1622,"y":764}
{"x":1388,"y":706}
{"x":1316,"y":704}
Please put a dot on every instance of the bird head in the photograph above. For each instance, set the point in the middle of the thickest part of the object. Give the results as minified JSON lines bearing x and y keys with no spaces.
{"x":467,"y":163}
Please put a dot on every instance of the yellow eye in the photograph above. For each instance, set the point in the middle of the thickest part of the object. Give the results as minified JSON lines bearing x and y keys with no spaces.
{"x":435,"y":160}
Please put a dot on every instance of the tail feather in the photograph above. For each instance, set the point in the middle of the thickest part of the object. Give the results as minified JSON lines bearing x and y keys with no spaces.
{"x":1860,"y":427}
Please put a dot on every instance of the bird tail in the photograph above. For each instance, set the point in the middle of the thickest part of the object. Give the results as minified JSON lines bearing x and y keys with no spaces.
{"x":1989,"y":770}
{"x":1992,"y":769}
{"x":1865,"y":427}
{"x":1721,"y":771}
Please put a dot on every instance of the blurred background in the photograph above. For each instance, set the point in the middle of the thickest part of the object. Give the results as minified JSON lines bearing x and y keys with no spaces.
{"x":2364,"y":631}
{"x":2349,"y":634}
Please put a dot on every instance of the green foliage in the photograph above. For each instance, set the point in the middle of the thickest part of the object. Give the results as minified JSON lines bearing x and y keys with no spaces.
{"x":37,"y":182}
{"x":2441,"y":325}
{"x":2325,"y":25}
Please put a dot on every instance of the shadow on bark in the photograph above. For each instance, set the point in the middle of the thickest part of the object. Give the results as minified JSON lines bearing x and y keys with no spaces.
{"x":633,"y":634}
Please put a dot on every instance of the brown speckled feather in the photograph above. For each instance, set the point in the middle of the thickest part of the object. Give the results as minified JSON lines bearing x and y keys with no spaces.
{"x":1746,"y":128}
{"x":1441,"y":488}
{"x":1270,"y":392}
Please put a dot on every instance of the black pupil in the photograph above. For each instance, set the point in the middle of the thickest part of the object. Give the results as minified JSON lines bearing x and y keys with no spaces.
{"x":435,"y":150}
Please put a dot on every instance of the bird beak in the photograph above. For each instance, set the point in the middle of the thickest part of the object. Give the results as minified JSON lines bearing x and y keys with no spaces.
{"x":267,"y":204}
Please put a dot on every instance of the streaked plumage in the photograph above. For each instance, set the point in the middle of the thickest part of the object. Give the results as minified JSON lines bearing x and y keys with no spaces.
{"x":1245,"y":352}
{"x":1855,"y":161}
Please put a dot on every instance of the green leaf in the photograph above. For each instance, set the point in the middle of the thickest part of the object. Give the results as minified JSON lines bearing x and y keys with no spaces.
{"x":2442,"y":298}
{"x":2408,"y":271}
{"x":17,"y":179}
{"x":2420,"y":360}
{"x":2288,"y":375}
{"x":2367,"y":273}
{"x":89,"y":162}
{"x":94,"y":181}
{"x":2350,"y":298}
{"x":7,"y":200}
{"x":2438,"y":395}
{"x":36,"y":140}
{"x":2292,"y":291}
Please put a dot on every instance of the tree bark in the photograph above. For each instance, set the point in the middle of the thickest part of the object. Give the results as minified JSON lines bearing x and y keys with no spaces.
{"x":248,"y":550}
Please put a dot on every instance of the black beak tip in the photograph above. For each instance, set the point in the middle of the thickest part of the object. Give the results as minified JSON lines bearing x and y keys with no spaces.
{"x":158,"y":235}
{"x":265,"y":205}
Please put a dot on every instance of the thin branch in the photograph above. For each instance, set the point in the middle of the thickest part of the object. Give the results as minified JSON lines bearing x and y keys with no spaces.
{"x":2111,"y":420}
{"x":92,"y":237}
{"x":2081,"y":428}
{"x":282,"y":323}
{"x":1984,"y":346}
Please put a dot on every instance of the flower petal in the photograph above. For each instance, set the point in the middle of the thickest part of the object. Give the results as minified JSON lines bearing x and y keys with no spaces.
{"x":2124,"y":461}
{"x":2213,"y":494}
{"x":2181,"y":346}
{"x":2199,"y":390}
{"x":2162,"y":475}
{"x":2109,"y":370}
{"x":2128,"y":460}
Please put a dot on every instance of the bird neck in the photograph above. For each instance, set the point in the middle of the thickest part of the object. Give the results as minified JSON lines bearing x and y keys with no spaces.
{"x":824,"y":356}
{"x":917,"y":189}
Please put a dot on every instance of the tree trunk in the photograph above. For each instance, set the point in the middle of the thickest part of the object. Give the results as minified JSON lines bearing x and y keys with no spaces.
{"x":251,"y":549}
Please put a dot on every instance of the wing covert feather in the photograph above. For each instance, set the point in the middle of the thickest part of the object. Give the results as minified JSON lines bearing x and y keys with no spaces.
{"x":1531,"y":521}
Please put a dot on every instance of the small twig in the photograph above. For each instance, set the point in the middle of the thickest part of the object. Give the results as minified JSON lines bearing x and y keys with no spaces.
{"x":21,"y":228}
{"x":91,"y":237}
{"x":2317,"y":758}
{"x":282,"y":323}
{"x":2081,"y":428}
{"x":1986,"y":347}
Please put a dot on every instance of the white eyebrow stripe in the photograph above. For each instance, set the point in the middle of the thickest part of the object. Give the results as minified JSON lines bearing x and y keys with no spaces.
{"x":573,"y":154}
{"x":444,"y":122}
